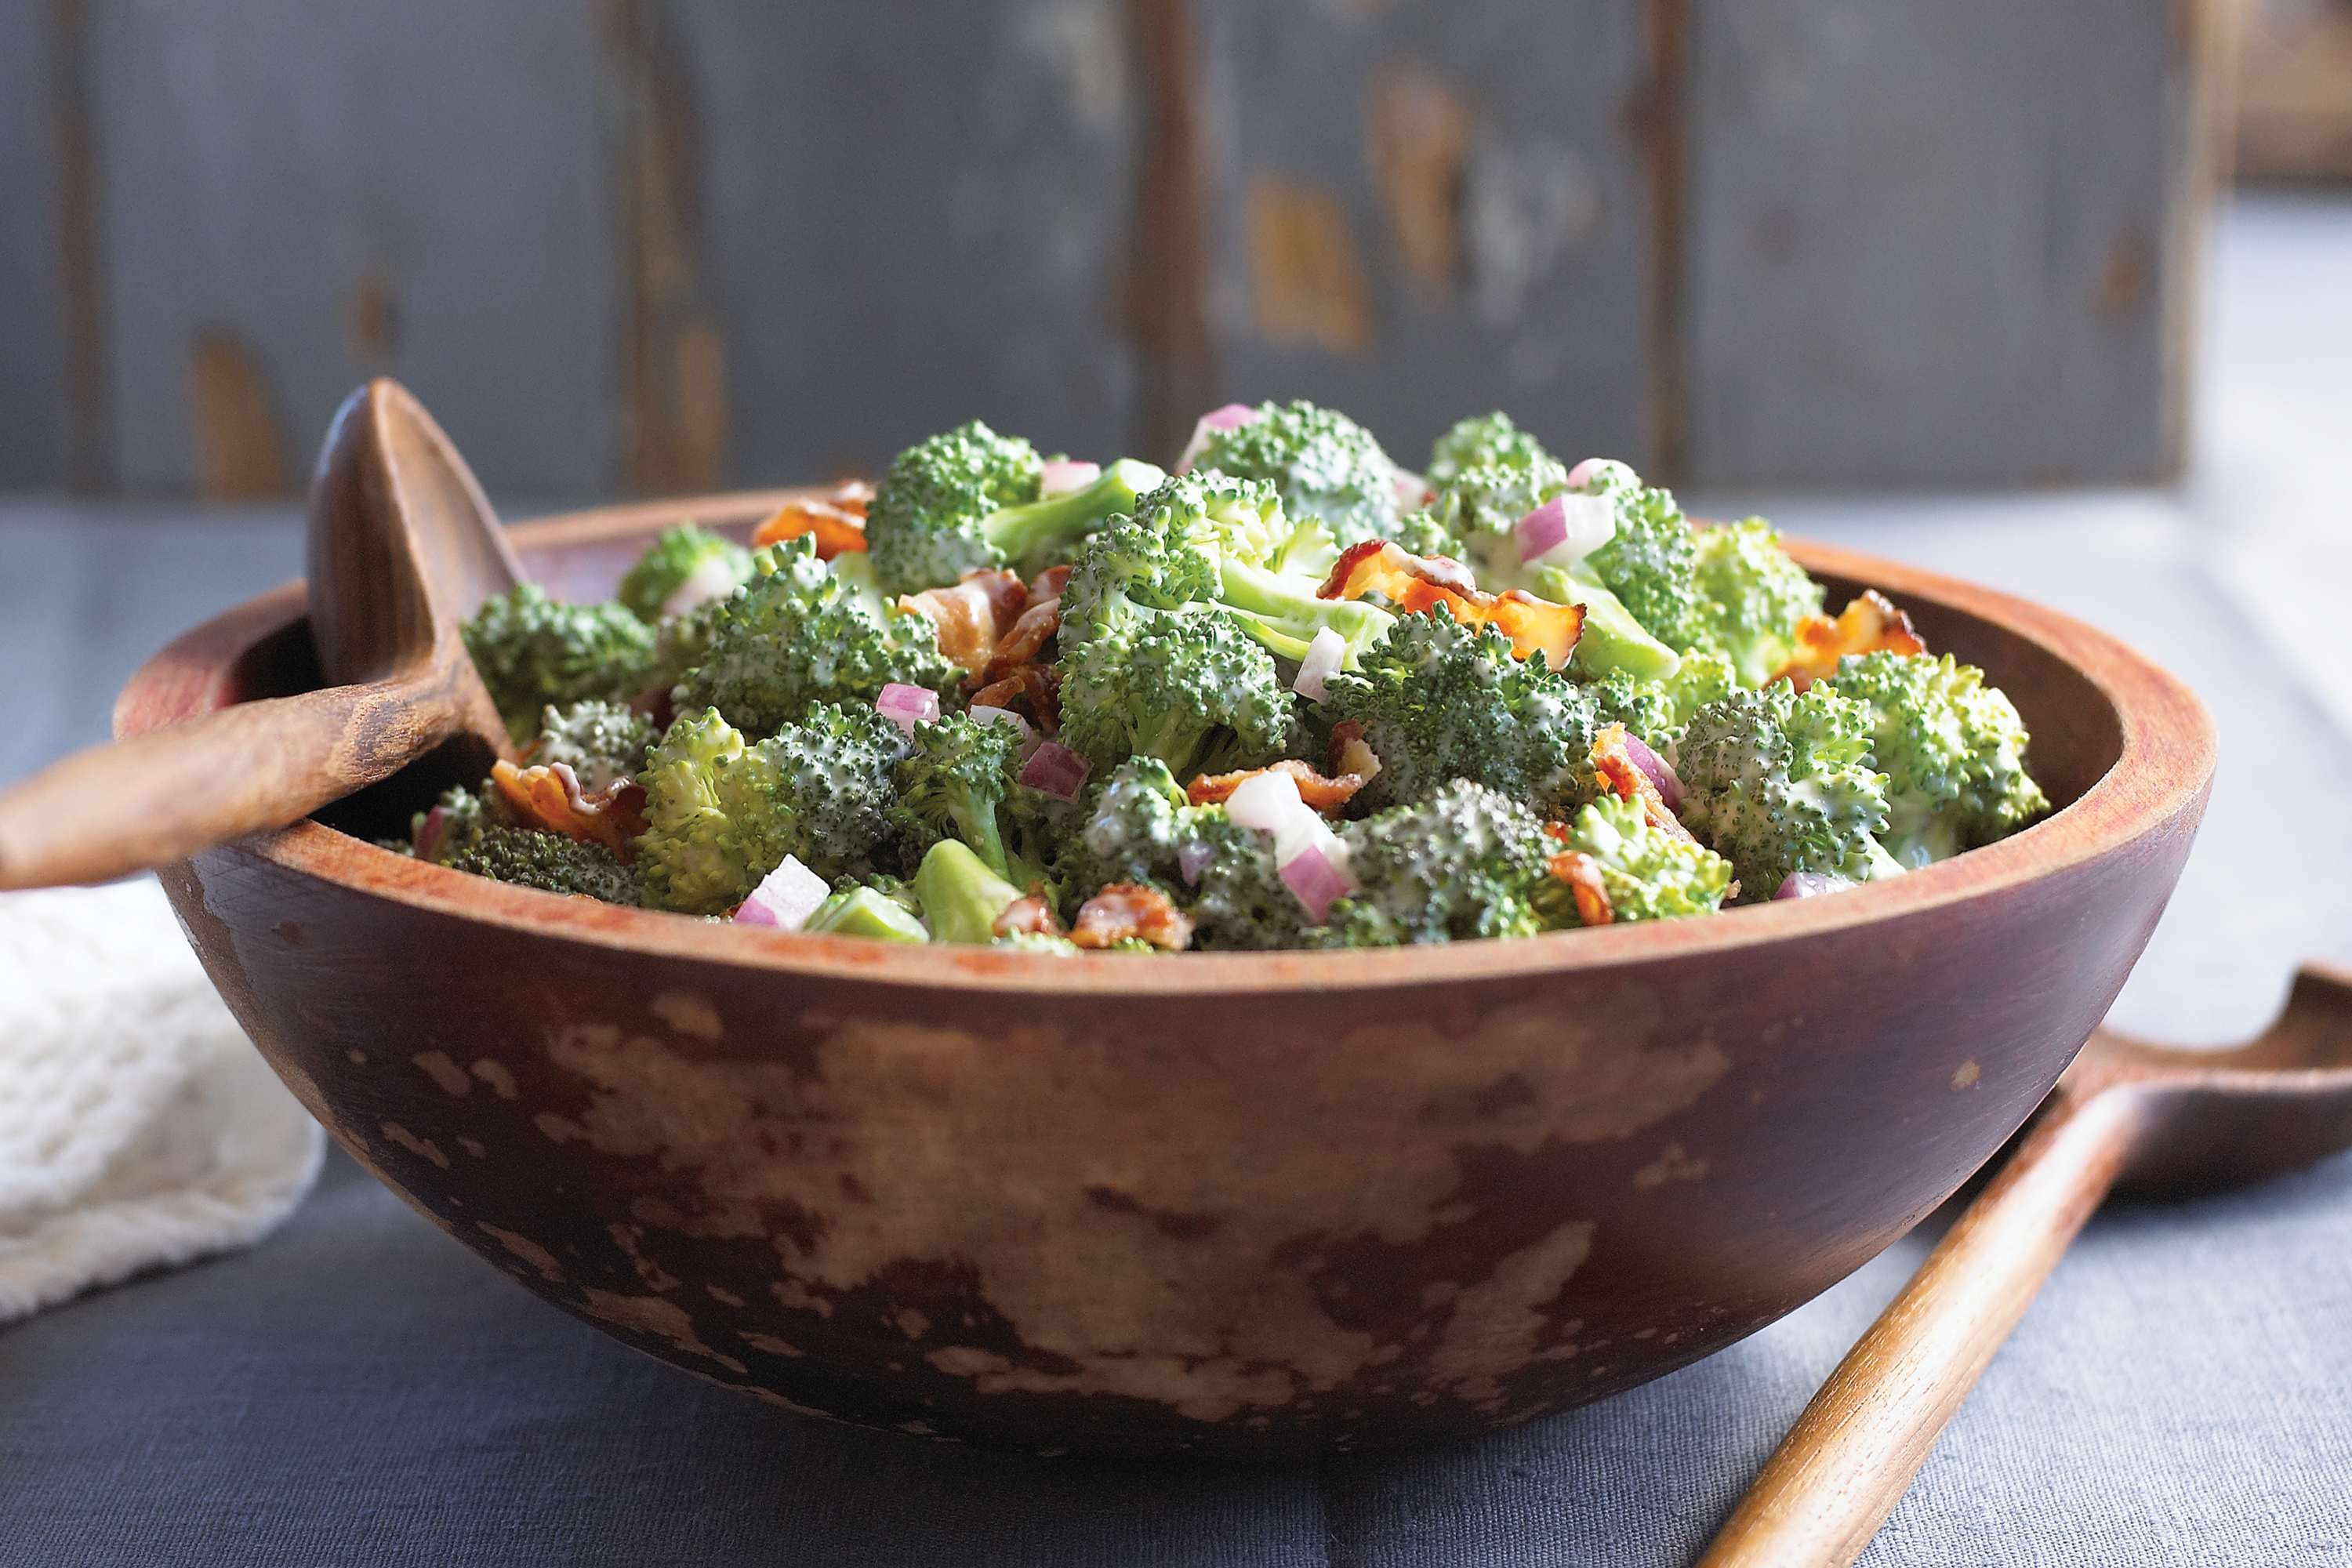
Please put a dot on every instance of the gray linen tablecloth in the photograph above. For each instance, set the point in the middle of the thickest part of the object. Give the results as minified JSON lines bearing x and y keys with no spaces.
{"x":362,"y":1391}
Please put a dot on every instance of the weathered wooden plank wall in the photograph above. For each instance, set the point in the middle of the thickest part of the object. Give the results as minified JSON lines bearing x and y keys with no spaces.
{"x":672,"y":244}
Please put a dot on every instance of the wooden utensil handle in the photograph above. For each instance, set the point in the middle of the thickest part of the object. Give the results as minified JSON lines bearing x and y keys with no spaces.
{"x":159,"y":798}
{"x":1852,"y":1455}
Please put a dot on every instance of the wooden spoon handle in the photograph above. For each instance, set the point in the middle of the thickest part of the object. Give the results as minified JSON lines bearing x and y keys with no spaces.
{"x":159,"y":798}
{"x":1851,"y":1456}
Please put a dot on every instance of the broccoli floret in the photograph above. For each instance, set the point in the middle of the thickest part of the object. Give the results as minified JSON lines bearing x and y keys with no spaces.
{"x":1483,"y":440}
{"x":1466,"y":862}
{"x":464,"y":815}
{"x":533,"y":651}
{"x":1149,"y":669}
{"x":601,"y":742}
{"x":1134,"y":832}
{"x":954,"y":786}
{"x":1648,"y":873}
{"x":1651,"y":562}
{"x":1441,"y":702}
{"x":1241,"y":900}
{"x":687,"y":567}
{"x":549,"y":862}
{"x":1422,"y":533}
{"x":967,"y":500}
{"x":721,"y":815}
{"x":863,"y":912}
{"x":1488,"y":473}
{"x":961,"y":896}
{"x":1059,"y":946}
{"x":1656,"y":710}
{"x":1780,"y":781}
{"x":1262,"y":565}
{"x":1952,"y":748}
{"x":800,"y":634}
{"x":1322,"y":463}
{"x":1753,"y":595}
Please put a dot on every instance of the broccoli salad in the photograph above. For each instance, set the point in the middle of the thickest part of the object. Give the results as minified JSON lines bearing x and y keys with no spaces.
{"x":1289,"y":695}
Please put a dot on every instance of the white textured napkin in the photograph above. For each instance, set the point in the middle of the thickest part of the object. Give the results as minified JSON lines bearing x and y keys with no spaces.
{"x":138,"y":1126}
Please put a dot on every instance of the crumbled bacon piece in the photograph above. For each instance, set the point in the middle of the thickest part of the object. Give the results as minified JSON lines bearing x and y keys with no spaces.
{"x":836,"y":518}
{"x":1582,"y":873}
{"x":1417,"y":584}
{"x":1870,"y":624}
{"x":1034,"y":913}
{"x":1034,"y":686}
{"x":548,"y":797}
{"x":1129,"y":912}
{"x":1613,"y":761}
{"x":1351,"y":754}
{"x":970,"y":618}
{"x":1328,"y":795}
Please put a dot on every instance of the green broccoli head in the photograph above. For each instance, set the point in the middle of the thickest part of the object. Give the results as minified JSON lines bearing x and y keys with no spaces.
{"x":1483,"y":440}
{"x":1656,"y":710}
{"x":953,"y":785}
{"x":685,"y":567}
{"x":533,"y":651}
{"x":722,"y":814}
{"x":601,"y":742}
{"x":1239,"y":901}
{"x":798,"y":635}
{"x":1439,"y":701}
{"x":1466,"y":861}
{"x":549,"y":862}
{"x":1753,"y":595}
{"x":1322,"y":463}
{"x":1488,"y":474}
{"x":1134,"y":832}
{"x":1646,"y":872}
{"x":1952,"y":748}
{"x":1780,"y":781}
{"x":1151,"y":667}
{"x":1651,"y":562}
{"x":453,"y":822}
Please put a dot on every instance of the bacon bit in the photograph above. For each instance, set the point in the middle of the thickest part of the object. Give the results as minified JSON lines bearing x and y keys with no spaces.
{"x":1127,"y":911}
{"x":1033,"y":914}
{"x":1328,"y":795}
{"x":970,"y":618}
{"x":1351,"y":754}
{"x":1034,"y":684}
{"x":837,"y":519}
{"x":1582,"y":875}
{"x":1417,"y":584}
{"x":1871,"y":623}
{"x":548,"y":797}
{"x":1624,"y":776}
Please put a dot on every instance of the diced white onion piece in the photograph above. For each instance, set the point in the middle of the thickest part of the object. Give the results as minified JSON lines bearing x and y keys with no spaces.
{"x":1064,"y":476}
{"x":711,"y":578}
{"x":1232,"y":417}
{"x":785,"y":898}
{"x":1265,"y":801}
{"x":1412,"y":490}
{"x":1811,"y":884}
{"x":1192,"y":859}
{"x":1670,"y":788}
{"x":1322,"y":662}
{"x":1316,"y":880}
{"x":1055,"y":770}
{"x":1585,"y":472}
{"x":1567,"y":529}
{"x":906,"y":706}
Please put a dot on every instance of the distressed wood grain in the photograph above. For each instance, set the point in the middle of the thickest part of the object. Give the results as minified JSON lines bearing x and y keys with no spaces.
{"x":1419,"y":211}
{"x":1938,"y":245}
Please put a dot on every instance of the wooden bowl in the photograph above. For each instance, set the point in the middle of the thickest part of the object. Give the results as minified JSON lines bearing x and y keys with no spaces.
{"x":1232,"y":1202}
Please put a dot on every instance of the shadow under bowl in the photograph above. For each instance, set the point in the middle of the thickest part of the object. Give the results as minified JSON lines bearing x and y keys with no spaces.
{"x":1234,"y":1204}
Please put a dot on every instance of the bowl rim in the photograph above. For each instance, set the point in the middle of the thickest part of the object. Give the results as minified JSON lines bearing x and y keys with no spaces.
{"x":2166,"y":763}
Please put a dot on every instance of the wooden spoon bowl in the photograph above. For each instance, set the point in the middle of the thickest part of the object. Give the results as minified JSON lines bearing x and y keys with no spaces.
{"x":1232,"y":1202}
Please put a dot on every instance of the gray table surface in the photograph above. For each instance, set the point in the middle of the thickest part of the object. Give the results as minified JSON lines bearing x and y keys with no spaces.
{"x":359,"y":1389}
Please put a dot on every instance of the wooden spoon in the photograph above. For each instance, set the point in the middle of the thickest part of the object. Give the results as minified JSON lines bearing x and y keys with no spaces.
{"x":402,"y":548}
{"x":2126,"y":1115}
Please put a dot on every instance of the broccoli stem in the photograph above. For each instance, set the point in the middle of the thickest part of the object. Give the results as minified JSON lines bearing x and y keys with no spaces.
{"x":1283,"y":612}
{"x":1612,"y":639}
{"x":862,"y":911}
{"x":961,"y":896}
{"x":1032,"y":532}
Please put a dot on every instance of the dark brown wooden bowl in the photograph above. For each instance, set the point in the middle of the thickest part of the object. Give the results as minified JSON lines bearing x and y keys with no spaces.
{"x":1233,"y":1202}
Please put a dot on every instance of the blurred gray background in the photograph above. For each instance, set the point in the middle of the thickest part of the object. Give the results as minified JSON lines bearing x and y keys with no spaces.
{"x":645,"y":246}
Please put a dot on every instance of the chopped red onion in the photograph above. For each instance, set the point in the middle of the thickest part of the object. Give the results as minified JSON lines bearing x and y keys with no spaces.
{"x":906,"y":706}
{"x":1192,"y":859}
{"x":1267,"y":801}
{"x":1065,"y":476}
{"x":1322,"y":662}
{"x":1582,"y":474}
{"x":1055,"y":770}
{"x":1670,"y":788}
{"x":785,"y":898}
{"x":1566,"y":529}
{"x":1316,"y":880}
{"x":1809,"y":884}
{"x":1232,"y":417}
{"x":430,"y":832}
